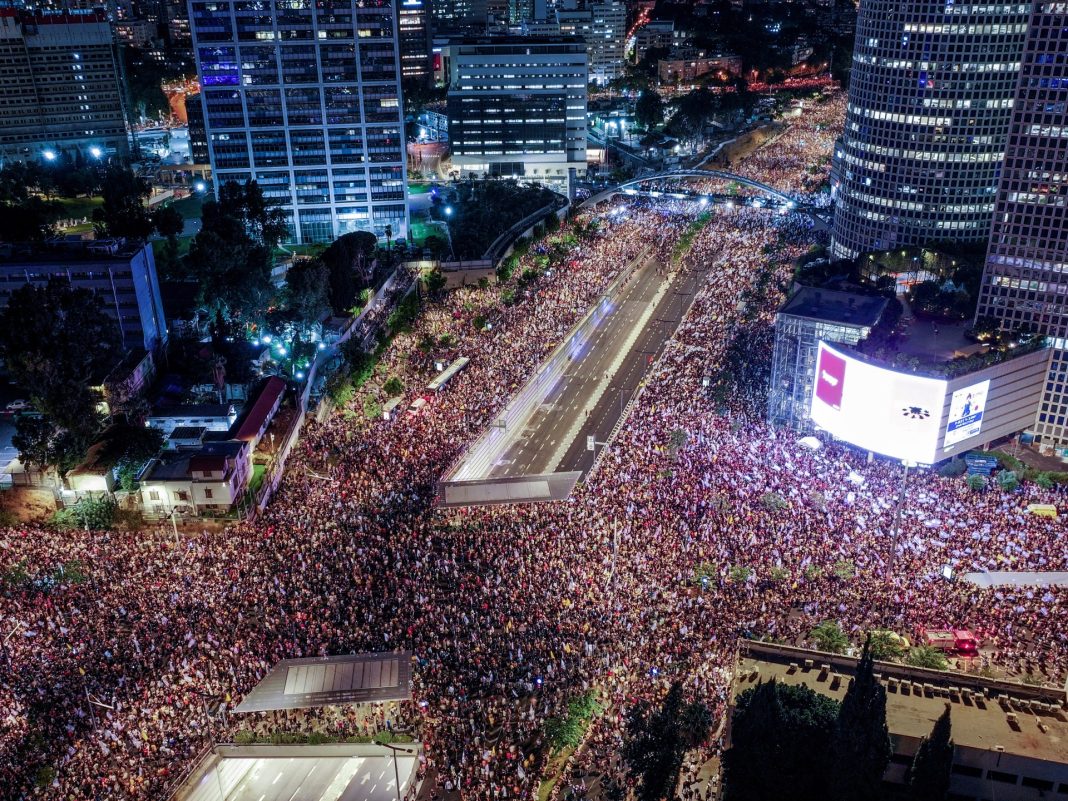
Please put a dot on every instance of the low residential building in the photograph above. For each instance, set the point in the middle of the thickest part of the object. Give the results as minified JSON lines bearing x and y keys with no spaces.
{"x":204,"y":482}
{"x":261,"y":411}
{"x":686,"y":66}
{"x":1011,"y":740}
{"x":122,"y":273}
{"x":209,"y":416}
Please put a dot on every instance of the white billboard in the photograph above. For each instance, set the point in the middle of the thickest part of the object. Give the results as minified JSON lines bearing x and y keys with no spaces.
{"x":880,"y":410}
{"x":966,"y":409}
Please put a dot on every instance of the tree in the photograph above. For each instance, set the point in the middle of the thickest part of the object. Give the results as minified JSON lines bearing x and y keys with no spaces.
{"x":435,"y":282}
{"x":348,"y":262}
{"x":924,"y":656}
{"x":828,"y":636}
{"x":885,"y":644}
{"x":860,"y":747}
{"x":780,"y":742}
{"x":438,"y":247}
{"x":657,"y":741}
{"x":928,"y":776}
{"x":393,"y":386}
{"x":123,"y":211}
{"x":27,"y":221}
{"x":231,"y":256}
{"x":169,"y":222}
{"x":57,"y":342}
{"x":649,"y":109}
{"x":34,"y":437}
{"x":307,"y":283}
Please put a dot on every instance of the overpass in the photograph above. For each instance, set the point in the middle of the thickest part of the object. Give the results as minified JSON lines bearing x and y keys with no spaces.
{"x":781,"y":199}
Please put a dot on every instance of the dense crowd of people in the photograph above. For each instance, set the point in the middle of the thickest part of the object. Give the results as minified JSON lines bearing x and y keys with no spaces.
{"x":511,"y":611}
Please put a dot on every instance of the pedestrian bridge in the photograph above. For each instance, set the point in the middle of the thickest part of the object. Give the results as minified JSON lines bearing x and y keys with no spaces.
{"x":634,"y":187}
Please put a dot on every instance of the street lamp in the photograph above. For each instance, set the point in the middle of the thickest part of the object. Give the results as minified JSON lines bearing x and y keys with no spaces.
{"x":396,"y":770}
{"x":448,"y":211}
{"x":50,"y":155}
{"x":200,"y":186}
{"x":95,"y":152}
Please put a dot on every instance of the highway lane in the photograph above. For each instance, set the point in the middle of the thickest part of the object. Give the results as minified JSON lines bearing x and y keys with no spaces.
{"x":602,"y":376}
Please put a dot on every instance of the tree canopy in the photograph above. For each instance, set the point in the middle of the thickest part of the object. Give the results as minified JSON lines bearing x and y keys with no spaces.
{"x":861,"y":747}
{"x":348,"y":262}
{"x":231,"y":257}
{"x":929,"y":774}
{"x":57,"y":341}
{"x":780,"y":742}
{"x":658,"y":739}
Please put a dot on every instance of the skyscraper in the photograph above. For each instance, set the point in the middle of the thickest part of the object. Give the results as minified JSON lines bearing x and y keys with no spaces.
{"x":413,"y":26}
{"x":60,"y":89}
{"x":1025,"y":282}
{"x":930,"y":100}
{"x":517,"y":107}
{"x":603,"y":26}
{"x":304,"y":97}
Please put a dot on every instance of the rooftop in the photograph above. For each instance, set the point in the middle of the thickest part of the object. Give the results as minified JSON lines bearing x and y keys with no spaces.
{"x":193,"y":410}
{"x":332,"y":680}
{"x":61,"y":251}
{"x":834,"y":306}
{"x":261,"y":409}
{"x":916,"y":697}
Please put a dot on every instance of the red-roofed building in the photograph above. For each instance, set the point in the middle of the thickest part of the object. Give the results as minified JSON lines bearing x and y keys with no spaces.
{"x":261,"y":412}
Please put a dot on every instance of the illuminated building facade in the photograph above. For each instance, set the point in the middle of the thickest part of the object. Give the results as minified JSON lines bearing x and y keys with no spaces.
{"x":930,"y":102}
{"x":304,"y":97}
{"x":1025,"y":282}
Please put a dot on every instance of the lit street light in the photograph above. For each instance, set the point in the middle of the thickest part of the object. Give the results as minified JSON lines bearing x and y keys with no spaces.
{"x":95,"y":152}
{"x":50,"y":155}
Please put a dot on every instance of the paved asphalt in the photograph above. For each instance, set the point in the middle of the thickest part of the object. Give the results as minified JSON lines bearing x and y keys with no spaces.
{"x":304,"y":779}
{"x":603,"y":377}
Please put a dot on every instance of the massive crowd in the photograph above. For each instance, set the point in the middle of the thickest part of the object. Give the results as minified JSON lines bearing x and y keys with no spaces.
{"x":509,"y":611}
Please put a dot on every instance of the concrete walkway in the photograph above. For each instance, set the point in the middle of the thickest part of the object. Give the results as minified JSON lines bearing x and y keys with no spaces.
{"x":1010,"y":579}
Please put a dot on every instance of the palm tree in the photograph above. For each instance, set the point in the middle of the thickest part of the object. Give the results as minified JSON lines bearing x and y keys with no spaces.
{"x":389,"y":238}
{"x":828,"y":636}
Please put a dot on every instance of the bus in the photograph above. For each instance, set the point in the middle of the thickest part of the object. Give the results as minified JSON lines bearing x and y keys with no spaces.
{"x":446,"y":375}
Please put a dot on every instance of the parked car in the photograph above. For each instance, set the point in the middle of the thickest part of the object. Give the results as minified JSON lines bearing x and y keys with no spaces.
{"x":16,"y":406}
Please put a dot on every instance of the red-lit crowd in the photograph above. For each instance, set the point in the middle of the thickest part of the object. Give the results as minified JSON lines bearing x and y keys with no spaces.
{"x":630,"y":584}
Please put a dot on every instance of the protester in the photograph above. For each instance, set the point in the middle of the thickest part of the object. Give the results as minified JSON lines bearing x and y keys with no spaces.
{"x":511,"y":611}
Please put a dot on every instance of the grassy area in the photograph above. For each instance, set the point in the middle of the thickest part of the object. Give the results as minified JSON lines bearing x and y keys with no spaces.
{"x":158,"y":244}
{"x":419,"y":189}
{"x":421,"y":230}
{"x":191,"y":208}
{"x":682,"y":247}
{"x":259,"y":471}
{"x":77,"y":207}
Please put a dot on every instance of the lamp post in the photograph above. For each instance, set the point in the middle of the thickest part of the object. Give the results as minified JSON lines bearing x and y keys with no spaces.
{"x":906,"y":464}
{"x":396,"y":769}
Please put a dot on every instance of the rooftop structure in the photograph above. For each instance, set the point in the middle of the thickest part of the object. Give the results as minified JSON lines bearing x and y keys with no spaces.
{"x":1011,"y":739}
{"x":341,"y":772}
{"x":332,"y":680}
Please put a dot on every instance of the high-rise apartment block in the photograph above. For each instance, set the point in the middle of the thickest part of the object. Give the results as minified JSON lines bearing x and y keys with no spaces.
{"x":517,"y":107}
{"x":1026,"y":278}
{"x":930,"y":101}
{"x":413,"y":26}
{"x":304,"y":97}
{"x":603,"y":27}
{"x":60,"y":87}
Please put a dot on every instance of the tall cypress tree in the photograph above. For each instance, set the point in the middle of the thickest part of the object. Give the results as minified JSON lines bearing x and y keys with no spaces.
{"x":860,"y":749}
{"x":929,"y":773}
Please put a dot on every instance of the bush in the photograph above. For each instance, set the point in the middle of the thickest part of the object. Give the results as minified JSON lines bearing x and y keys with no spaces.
{"x":977,"y":482}
{"x":508,"y":297}
{"x":372,"y":409}
{"x":739,"y":574}
{"x":1044,"y":480}
{"x":86,"y":513}
{"x":953,"y":468}
{"x":528,"y":276}
{"x":779,"y":574}
{"x":1008,"y":480}
{"x":828,"y":636}
{"x":567,"y":731}
{"x":339,"y":388}
{"x":844,"y":569}
{"x":393,"y":386}
{"x":483,"y":282}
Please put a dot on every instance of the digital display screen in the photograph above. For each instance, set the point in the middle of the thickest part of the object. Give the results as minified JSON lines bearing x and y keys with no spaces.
{"x":877,"y":409}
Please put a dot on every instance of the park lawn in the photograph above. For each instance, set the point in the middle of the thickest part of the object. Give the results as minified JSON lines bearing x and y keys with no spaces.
{"x":191,"y":208}
{"x":77,"y":207}
{"x":419,"y":189}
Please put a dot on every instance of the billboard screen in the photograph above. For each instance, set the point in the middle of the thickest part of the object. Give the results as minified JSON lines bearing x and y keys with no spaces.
{"x":966,"y":413}
{"x":880,"y":410}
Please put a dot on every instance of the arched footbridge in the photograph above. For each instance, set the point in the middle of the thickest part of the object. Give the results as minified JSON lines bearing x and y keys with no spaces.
{"x":775,"y":198}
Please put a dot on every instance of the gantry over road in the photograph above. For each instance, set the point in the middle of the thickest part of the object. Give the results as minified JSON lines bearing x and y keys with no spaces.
{"x":538,"y":447}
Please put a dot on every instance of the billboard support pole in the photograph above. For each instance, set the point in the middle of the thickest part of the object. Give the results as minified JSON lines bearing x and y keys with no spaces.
{"x":897,"y":514}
